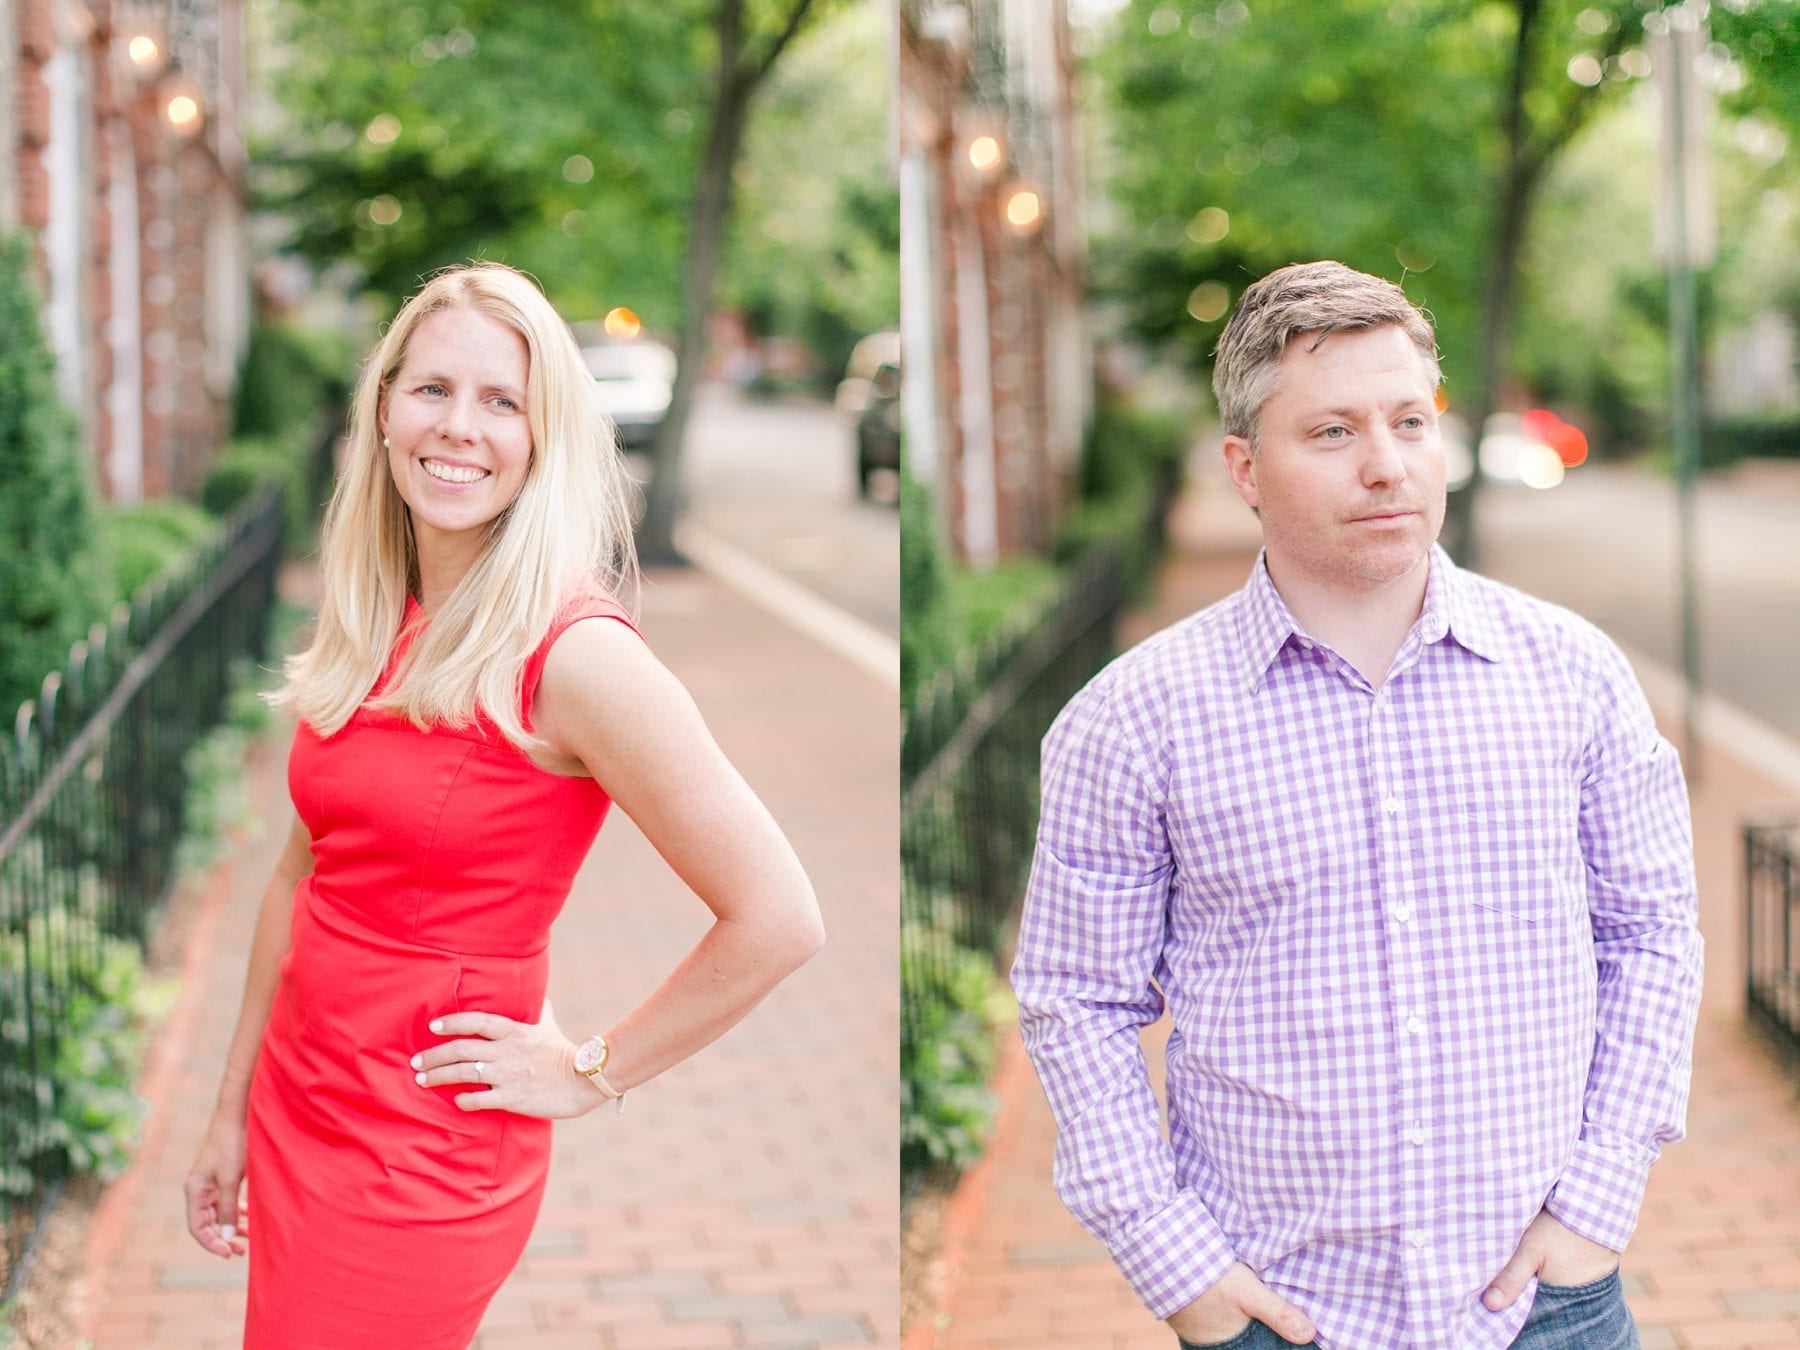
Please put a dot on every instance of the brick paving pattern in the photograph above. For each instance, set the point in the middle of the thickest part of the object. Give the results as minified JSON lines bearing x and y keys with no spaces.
{"x":745,"y":1198}
{"x":1716,"y":1258}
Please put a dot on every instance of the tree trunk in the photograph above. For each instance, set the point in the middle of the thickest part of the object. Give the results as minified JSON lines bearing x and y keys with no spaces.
{"x":1520,"y":174}
{"x":1500,"y":285}
{"x":712,"y":207}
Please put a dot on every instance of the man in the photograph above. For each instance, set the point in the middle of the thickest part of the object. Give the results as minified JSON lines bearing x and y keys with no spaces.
{"x":1404,"y":856}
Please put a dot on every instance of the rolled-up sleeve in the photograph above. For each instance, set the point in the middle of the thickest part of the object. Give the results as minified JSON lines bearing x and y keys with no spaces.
{"x":1637,"y":842}
{"x":1093,"y":930}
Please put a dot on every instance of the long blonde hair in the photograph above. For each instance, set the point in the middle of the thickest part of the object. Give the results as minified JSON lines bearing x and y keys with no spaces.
{"x":571,"y":520}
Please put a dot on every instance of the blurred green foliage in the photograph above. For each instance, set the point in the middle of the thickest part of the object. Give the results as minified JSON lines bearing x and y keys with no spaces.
{"x":146,"y":541}
{"x":815,"y":251}
{"x":946,"y":1106}
{"x":927,"y":641}
{"x":567,"y":140}
{"x":1374,"y":131}
{"x":287,"y":376}
{"x":52,"y":575}
{"x":73,"y":1106}
{"x":424,"y":135}
{"x":1131,"y":464}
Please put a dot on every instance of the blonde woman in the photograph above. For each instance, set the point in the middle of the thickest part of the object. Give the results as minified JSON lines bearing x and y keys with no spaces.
{"x":475,"y":697}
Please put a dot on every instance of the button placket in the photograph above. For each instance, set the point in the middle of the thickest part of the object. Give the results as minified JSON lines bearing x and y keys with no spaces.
{"x":1396,"y":844}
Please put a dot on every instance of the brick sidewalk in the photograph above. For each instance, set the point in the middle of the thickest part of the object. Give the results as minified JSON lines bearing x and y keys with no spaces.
{"x":747,"y":1197}
{"x":1716,"y":1259}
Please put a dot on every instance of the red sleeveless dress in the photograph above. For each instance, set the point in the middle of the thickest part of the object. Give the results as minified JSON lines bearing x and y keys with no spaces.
{"x":382,"y":1214}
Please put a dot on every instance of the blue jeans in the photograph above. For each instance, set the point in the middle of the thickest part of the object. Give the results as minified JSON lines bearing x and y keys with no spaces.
{"x":1256,"y":1336}
{"x":1579,"y":1317}
{"x":1563,"y":1317}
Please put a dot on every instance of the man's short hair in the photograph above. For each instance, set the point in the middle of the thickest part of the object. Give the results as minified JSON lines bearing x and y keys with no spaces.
{"x":1315,"y":299}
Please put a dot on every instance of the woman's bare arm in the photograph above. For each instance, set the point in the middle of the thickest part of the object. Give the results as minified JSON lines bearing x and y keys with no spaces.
{"x":607,"y":701}
{"x":217,"y":1220}
{"x":268,"y":946}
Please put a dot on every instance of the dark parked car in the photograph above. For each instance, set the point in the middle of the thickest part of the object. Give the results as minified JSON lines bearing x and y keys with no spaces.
{"x":635,"y":378}
{"x":878,"y":426}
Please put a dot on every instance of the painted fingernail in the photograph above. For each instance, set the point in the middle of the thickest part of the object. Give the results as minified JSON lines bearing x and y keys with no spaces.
{"x":437,"y":1024}
{"x":227,"y":1231}
{"x":419,"y":1078}
{"x":415,"y":1061}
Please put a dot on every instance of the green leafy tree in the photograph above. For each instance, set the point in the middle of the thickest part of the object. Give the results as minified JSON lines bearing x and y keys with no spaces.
{"x":50,"y":578}
{"x":592,"y":143}
{"x":815,"y":252}
{"x":745,"y":55}
{"x":1410,"y":138}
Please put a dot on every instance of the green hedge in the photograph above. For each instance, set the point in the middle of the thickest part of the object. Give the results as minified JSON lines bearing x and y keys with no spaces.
{"x":946,"y":1106}
{"x":1730,"y":439}
{"x":247,"y":465}
{"x":144,"y":542}
{"x":52,"y":578}
{"x":286,"y":377}
{"x":1130,"y":467}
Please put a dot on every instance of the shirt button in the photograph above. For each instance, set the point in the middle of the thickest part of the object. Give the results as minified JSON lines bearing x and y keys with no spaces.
{"x":1416,"y":1135}
{"x":1415,"y":1024}
{"x":1391,"y":806}
{"x":1401,"y":913}
{"x":1416,"y":1237}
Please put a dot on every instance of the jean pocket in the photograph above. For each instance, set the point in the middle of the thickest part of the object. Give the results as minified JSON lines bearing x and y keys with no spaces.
{"x":1592,"y":1289}
{"x":1246,"y":1337}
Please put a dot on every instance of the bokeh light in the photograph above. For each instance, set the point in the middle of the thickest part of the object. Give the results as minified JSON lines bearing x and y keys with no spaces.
{"x":621,"y":322}
{"x":183,"y":111}
{"x":383,"y":130}
{"x":1209,"y":225}
{"x":142,"y":50}
{"x":1024,"y":210}
{"x":1208,"y":301}
{"x":1585,"y":70}
{"x":578,"y":169}
{"x":384,"y":210}
{"x":984,"y":152}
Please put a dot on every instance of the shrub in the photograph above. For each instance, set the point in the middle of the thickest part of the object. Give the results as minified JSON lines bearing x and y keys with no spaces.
{"x":146,"y":541}
{"x":926,"y":638}
{"x":286,"y":377}
{"x":1771,"y":437}
{"x":51,"y":578}
{"x":79,"y":1095}
{"x":247,"y":466}
{"x":1130,"y":470}
{"x":946,"y":1106}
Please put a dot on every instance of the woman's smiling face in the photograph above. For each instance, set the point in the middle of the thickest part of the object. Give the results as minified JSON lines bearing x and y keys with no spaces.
{"x":458,"y":438}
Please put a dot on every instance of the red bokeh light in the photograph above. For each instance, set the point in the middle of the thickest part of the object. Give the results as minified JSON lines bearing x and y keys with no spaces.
{"x":1567,"y":439}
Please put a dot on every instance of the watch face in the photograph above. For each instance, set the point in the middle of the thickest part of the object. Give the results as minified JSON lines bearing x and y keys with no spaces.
{"x":590,"y":1055}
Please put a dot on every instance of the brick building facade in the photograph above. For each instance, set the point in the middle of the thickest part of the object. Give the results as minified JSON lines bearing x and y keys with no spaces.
{"x":121,"y":157}
{"x":998,"y":364}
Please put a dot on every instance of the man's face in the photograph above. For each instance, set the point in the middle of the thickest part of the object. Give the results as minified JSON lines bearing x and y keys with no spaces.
{"x":1349,"y":477}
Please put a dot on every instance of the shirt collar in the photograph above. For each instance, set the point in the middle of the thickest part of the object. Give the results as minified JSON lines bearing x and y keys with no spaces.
{"x":1452,"y":609}
{"x":1455,"y":607}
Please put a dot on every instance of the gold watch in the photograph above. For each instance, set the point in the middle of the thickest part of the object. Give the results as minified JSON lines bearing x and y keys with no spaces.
{"x":590,"y":1060}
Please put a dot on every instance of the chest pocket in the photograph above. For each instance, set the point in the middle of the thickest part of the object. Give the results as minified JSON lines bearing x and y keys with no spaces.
{"x":1515,"y":838}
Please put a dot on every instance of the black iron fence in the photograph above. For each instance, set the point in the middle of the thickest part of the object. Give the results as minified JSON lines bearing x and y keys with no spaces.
{"x":969,"y":782}
{"x":1772,"y":926}
{"x":91,"y":789}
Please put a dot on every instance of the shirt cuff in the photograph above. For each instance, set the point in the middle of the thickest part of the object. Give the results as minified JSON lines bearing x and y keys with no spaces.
{"x":1174,"y":1255}
{"x":1599,"y":1193}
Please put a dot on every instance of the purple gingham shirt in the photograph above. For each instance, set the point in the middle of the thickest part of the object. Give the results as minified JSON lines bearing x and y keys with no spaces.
{"x":1429,"y":951}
